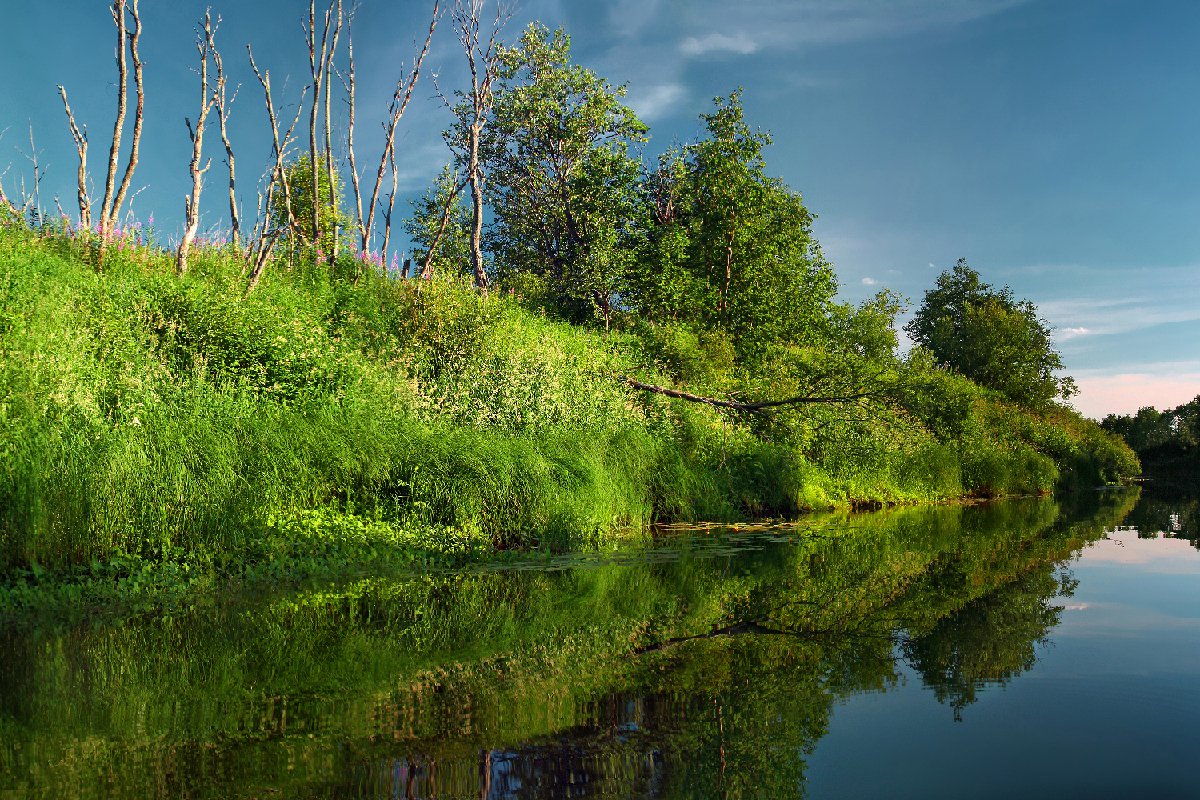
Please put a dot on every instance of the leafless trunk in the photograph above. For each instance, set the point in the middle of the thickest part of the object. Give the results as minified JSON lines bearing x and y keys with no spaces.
{"x":192,"y":203}
{"x":134,"y":38}
{"x":269,"y":239}
{"x":391,"y":206}
{"x":484,"y":63}
{"x":358,"y":207}
{"x":266,"y":239}
{"x":81,"y":147}
{"x":222,"y":107}
{"x":400,"y":98}
{"x":764,"y":405}
{"x":333,"y":197}
{"x":106,"y":206}
{"x":33,"y":201}
{"x":427,"y":267}
{"x":319,"y":69}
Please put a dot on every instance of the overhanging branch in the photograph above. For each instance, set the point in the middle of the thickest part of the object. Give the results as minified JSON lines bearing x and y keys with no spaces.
{"x":761,"y":406}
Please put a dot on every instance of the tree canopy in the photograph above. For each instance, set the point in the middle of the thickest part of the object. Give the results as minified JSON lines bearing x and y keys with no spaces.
{"x":728,"y":246}
{"x":988,"y":336}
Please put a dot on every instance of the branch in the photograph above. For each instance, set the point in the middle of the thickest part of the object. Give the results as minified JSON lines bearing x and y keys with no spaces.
{"x":107,"y":210}
{"x":759,"y":407}
{"x":134,"y":37}
{"x":81,"y":146}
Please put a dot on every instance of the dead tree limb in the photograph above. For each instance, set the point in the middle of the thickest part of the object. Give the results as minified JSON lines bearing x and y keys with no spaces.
{"x":270,"y":239}
{"x":350,"y":100}
{"x":473,"y":113}
{"x":761,"y":406}
{"x":81,"y":148}
{"x":196,"y":134}
{"x":400,"y":99}
{"x":114,"y":150}
{"x":451,"y":198}
{"x":223,"y":102}
{"x":138,"y":112}
{"x":333,"y":198}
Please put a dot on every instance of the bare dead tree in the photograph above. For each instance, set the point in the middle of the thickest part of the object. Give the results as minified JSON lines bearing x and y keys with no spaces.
{"x":350,"y":100}
{"x":474,"y":110}
{"x":81,"y":148}
{"x":391,"y":204}
{"x":32,"y":202}
{"x":319,"y":69}
{"x":764,"y":405}
{"x":191,"y":204}
{"x":223,"y":102}
{"x":329,"y":128}
{"x":138,"y":113}
{"x":400,"y":99}
{"x":451,"y":198}
{"x":268,"y":238}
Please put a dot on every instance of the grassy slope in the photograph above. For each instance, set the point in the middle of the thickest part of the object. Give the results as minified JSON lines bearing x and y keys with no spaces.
{"x":144,"y":418}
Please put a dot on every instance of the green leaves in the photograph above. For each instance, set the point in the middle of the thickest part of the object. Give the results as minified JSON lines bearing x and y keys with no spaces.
{"x":561,"y":180}
{"x":730,"y":247}
{"x":996,"y":341}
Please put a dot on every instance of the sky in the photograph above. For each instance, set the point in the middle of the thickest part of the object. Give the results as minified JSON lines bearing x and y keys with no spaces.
{"x":1051,"y":143}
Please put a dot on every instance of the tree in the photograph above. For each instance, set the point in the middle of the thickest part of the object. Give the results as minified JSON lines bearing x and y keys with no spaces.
{"x":562,"y":182}
{"x":298,"y":176}
{"x":986,"y":335}
{"x":730,"y":247}
{"x":472,"y":114}
{"x":440,"y":228}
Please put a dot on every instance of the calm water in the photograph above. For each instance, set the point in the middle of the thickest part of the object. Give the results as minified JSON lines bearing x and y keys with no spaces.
{"x":1024,"y":649}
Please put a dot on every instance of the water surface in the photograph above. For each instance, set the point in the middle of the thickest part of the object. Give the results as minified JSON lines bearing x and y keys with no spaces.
{"x":1030,"y":648}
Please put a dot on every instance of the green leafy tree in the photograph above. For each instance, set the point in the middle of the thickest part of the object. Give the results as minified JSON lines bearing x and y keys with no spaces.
{"x":990,"y":337}
{"x":333,"y":220}
{"x":730,"y":247}
{"x":562,"y":181}
{"x":440,"y":220}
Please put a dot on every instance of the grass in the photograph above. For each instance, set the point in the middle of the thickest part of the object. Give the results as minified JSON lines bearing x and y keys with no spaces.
{"x":147,"y":419}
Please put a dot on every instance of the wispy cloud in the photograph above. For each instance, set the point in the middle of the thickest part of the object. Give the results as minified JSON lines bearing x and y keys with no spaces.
{"x":768,"y":24}
{"x":869,"y":281}
{"x":654,"y":102}
{"x":718,"y":44}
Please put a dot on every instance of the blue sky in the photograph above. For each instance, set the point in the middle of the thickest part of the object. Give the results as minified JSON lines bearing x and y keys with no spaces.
{"x":1053,"y":143}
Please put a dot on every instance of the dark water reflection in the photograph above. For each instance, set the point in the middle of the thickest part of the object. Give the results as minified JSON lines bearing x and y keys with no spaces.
{"x":848,"y":656}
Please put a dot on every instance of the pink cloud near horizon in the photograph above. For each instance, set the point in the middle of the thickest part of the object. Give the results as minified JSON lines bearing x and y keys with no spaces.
{"x":1125,"y":393}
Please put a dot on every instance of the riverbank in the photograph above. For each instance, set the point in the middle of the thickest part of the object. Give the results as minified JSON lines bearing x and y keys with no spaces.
{"x":157,"y":429}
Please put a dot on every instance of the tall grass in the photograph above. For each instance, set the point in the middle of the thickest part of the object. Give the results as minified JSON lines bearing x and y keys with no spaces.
{"x":145,"y":414}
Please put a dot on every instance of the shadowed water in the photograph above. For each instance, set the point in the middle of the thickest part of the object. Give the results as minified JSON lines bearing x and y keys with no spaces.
{"x":1024,"y":648}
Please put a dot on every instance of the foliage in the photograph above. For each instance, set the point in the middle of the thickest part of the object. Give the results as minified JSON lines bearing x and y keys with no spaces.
{"x":453,"y":254}
{"x":991,"y":338}
{"x":561,"y":178}
{"x":334,"y":221}
{"x":729,"y":247}
{"x":1168,"y":442}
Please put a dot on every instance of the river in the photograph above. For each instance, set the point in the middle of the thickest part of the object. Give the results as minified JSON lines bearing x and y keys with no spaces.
{"x":1031,"y":648}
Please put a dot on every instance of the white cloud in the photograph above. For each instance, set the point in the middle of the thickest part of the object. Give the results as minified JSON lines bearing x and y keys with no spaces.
{"x":718,"y":43}
{"x":869,"y":281}
{"x":653,"y":102}
{"x":790,"y":23}
{"x":1071,"y":333}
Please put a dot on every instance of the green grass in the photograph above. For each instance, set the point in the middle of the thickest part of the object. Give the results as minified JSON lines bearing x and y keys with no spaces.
{"x":150,"y":419}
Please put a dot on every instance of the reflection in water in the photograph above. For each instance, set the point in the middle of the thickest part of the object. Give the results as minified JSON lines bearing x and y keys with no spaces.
{"x":702,"y":666}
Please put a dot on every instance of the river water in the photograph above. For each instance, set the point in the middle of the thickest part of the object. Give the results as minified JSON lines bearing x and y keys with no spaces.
{"x":1032,"y":648}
